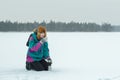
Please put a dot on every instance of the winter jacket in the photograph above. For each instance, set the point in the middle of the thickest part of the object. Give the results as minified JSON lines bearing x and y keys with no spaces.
{"x":36,"y":50}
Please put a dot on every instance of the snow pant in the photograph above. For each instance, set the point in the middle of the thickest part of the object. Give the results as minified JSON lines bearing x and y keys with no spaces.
{"x":37,"y":65}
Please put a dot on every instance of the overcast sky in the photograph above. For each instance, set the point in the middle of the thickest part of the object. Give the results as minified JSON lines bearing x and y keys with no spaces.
{"x":98,"y":11}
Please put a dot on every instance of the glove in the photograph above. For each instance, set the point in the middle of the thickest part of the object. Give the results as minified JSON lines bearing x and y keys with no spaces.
{"x":43,"y":40}
{"x":49,"y":61}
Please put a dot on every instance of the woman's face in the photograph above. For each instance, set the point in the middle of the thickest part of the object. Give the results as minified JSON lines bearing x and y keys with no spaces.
{"x":42,"y":35}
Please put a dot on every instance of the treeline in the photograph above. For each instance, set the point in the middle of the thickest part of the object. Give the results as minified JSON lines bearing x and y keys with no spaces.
{"x":53,"y":26}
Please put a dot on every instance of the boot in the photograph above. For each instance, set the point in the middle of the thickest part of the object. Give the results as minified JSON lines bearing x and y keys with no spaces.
{"x":28,"y":66}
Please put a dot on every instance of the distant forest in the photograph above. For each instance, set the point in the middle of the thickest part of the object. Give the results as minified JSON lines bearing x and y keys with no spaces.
{"x":52,"y":26}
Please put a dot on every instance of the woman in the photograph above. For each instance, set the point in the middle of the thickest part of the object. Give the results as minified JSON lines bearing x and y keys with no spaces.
{"x":38,"y":57}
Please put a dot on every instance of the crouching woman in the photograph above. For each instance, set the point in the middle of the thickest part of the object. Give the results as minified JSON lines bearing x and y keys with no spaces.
{"x":38,"y":57}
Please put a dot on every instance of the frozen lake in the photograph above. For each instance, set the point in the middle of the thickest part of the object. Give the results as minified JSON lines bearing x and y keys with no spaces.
{"x":76,"y":56}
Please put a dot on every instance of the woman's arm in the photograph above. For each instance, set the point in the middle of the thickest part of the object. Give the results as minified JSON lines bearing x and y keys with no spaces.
{"x":46,"y":50}
{"x":34,"y":46}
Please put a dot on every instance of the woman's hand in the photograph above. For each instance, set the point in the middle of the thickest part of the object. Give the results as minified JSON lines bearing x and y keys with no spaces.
{"x":49,"y":61}
{"x":43,"y":40}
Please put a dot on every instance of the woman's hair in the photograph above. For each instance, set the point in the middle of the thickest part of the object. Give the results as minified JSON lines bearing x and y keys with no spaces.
{"x":39,"y":30}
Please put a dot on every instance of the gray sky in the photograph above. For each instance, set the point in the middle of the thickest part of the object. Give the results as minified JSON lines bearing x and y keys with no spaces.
{"x":98,"y":11}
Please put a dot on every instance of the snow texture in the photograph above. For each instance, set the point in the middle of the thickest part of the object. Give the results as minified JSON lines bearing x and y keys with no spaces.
{"x":76,"y":56}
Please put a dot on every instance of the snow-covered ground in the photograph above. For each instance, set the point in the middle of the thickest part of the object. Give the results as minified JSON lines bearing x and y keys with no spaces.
{"x":76,"y":56}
